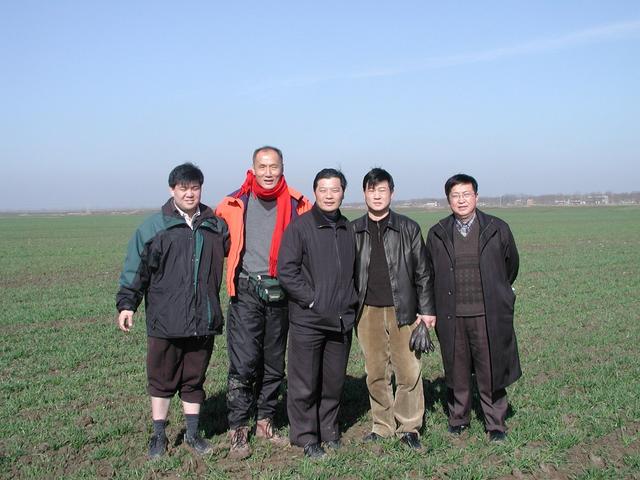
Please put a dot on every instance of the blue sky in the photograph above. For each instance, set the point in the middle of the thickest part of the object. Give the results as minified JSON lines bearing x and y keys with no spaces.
{"x":101,"y":99}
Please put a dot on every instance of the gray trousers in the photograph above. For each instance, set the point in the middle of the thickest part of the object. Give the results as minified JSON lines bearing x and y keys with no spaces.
{"x":472,"y":351}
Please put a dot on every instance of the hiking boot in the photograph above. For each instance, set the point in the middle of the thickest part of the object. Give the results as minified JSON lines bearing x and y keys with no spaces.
{"x":198,"y":444}
{"x":411,"y":439}
{"x":157,"y":446}
{"x":265,"y":430}
{"x":497,"y":436}
{"x":239,"y":439}
{"x":314,"y":450}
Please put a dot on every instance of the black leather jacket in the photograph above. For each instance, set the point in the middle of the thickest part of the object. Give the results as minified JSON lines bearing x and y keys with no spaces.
{"x":406,"y":258}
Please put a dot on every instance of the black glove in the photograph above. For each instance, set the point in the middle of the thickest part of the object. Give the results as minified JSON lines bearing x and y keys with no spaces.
{"x":420,"y":340}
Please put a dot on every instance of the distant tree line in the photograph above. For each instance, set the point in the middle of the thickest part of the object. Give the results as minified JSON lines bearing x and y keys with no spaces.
{"x":515,"y":200}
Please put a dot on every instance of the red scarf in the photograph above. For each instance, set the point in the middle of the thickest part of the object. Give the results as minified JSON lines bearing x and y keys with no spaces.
{"x":280,"y":193}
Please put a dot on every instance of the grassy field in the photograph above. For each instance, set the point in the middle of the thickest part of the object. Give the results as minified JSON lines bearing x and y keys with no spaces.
{"x":73,"y":386}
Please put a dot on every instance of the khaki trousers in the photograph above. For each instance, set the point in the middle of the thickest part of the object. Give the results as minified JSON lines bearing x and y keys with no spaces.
{"x":386,"y":353}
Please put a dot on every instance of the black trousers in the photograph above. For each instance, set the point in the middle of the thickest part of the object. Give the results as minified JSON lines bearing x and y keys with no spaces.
{"x":472,"y":351}
{"x":316,"y":371}
{"x":256,"y":343}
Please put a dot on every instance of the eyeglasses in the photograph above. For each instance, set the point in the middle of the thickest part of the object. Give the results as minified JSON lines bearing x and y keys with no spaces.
{"x":464,"y":196}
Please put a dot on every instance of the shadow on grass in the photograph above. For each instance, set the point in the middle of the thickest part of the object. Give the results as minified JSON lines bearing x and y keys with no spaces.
{"x":435,"y":395}
{"x":213,"y":416}
{"x":355,"y":401}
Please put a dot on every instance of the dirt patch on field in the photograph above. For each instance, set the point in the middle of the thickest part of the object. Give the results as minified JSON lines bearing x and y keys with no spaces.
{"x":603,"y":453}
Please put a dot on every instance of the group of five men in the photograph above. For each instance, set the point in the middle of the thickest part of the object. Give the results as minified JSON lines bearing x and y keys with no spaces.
{"x":305,"y":273}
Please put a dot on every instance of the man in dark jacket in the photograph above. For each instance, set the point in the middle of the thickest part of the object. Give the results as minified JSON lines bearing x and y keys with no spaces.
{"x":175,"y":261}
{"x":315,"y":266}
{"x":474,"y":261}
{"x":391,"y":280}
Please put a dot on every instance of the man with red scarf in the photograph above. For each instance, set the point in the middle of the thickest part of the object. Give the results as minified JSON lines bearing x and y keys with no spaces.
{"x":257,"y":324}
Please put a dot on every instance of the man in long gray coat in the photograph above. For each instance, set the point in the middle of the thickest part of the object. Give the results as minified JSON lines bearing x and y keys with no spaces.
{"x":474,"y":261}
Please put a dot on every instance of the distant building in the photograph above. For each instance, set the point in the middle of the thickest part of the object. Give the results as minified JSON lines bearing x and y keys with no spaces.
{"x":598,"y":199}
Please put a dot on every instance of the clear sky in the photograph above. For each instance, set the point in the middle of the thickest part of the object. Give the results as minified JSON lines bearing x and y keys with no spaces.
{"x":100,"y":99}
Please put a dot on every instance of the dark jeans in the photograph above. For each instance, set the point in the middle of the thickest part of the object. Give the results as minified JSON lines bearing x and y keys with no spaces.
{"x":472,"y":350}
{"x":256,"y":342}
{"x":316,"y":371}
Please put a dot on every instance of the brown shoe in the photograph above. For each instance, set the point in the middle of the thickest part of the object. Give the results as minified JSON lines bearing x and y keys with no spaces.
{"x":239,"y":439}
{"x":265,"y":430}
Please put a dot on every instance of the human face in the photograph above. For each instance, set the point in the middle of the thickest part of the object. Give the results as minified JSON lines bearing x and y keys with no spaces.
{"x":329,"y":194}
{"x":378,"y":199}
{"x":187,"y":196}
{"x":462,"y":200}
{"x":268,"y":168}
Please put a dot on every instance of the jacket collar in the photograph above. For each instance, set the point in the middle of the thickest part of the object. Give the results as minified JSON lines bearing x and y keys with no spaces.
{"x":485,"y":222}
{"x":321,"y":220}
{"x":169,"y":210}
{"x":487,"y":228}
{"x":362,"y":223}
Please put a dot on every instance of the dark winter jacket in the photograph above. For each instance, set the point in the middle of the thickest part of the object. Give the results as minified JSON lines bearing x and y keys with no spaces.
{"x":315,"y":266}
{"x":178,"y":271}
{"x":406,"y":259}
{"x":499,"y":264}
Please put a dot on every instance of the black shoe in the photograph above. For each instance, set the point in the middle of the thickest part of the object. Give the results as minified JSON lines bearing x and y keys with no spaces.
{"x":333,"y":444}
{"x":458,"y":429}
{"x":371,"y":437}
{"x":198,"y":444}
{"x":411,"y":439}
{"x":497,"y":436}
{"x":157,"y":446}
{"x":314,"y":450}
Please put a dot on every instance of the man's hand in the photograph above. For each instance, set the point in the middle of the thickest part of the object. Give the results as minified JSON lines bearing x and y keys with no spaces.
{"x":125,"y":320}
{"x":420,"y":341}
{"x":428,"y":320}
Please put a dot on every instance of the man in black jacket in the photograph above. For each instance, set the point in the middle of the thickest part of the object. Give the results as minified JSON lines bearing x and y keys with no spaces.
{"x":473,"y":262}
{"x":391,"y":280}
{"x":315,"y":266}
{"x":175,"y":261}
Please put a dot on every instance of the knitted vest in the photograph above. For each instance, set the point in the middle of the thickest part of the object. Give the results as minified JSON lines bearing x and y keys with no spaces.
{"x":469,"y":299}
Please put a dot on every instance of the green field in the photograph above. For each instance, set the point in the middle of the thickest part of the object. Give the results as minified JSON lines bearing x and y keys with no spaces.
{"x":73,"y":386}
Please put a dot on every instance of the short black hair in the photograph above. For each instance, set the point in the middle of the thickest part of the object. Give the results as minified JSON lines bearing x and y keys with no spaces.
{"x":376,"y":176}
{"x":267,"y":147}
{"x":330,"y":173}
{"x":458,"y":179}
{"x":185,"y":174}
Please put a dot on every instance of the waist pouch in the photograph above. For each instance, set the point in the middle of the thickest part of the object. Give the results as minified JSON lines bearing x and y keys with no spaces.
{"x":267,"y":288}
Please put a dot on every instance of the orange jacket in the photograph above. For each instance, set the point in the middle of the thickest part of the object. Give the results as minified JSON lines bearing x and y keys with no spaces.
{"x":232,"y":210}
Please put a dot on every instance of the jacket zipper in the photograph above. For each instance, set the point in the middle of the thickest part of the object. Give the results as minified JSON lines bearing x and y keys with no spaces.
{"x":335,"y":237}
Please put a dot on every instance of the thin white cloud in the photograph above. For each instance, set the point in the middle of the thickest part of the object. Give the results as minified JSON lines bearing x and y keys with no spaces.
{"x":569,"y":40}
{"x":573,"y":39}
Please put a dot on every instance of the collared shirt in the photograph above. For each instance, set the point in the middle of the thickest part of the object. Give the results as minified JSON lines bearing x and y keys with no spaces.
{"x":464,"y":227}
{"x":186,"y":216}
